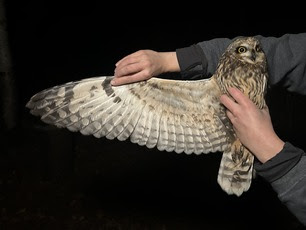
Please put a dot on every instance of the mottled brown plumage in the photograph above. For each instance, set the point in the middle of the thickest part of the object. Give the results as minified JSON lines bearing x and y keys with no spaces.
{"x":243,"y":65}
{"x":171,"y":115}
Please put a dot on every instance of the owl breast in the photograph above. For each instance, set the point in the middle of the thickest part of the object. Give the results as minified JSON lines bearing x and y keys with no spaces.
{"x":251,"y":79}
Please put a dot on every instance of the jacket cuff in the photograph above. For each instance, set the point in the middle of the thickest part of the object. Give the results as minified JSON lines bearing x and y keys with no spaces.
{"x":280,"y":164}
{"x":192,"y":61}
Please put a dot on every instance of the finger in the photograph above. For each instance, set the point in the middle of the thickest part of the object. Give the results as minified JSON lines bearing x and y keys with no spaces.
{"x":229,"y":103}
{"x":127,"y":61}
{"x":121,"y":81}
{"x":123,"y":59}
{"x":128,"y":58}
{"x":230,"y":115}
{"x":128,"y":79}
{"x":238,"y":96}
{"x":128,"y":70}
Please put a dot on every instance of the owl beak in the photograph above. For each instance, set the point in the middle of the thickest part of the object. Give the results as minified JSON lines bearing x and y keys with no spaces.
{"x":253,"y":55}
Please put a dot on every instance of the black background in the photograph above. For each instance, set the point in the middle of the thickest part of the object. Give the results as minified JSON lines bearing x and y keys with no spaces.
{"x":55,"y":179}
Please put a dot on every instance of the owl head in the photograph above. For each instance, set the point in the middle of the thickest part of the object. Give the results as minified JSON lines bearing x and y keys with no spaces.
{"x":246,"y":50}
{"x":243,"y":62}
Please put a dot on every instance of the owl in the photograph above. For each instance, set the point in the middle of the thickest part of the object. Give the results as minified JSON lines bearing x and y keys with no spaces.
{"x":181,"y":116}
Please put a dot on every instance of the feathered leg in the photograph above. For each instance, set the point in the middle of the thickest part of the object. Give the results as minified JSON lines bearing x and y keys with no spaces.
{"x":236,"y":169}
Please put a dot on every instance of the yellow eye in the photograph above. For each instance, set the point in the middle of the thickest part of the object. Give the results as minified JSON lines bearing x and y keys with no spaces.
{"x":241,"y":49}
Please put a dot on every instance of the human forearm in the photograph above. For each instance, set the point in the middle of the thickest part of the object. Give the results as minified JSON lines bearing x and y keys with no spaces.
{"x":169,"y":62}
{"x":266,"y":144}
{"x":287,"y":174}
{"x":201,"y":59}
{"x":280,"y":164}
{"x":286,"y":60}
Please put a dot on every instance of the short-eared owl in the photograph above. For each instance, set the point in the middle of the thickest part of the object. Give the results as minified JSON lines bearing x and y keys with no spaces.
{"x":171,"y":115}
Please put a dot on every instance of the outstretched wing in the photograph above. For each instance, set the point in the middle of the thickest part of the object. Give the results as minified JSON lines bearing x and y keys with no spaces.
{"x":180,"y":116}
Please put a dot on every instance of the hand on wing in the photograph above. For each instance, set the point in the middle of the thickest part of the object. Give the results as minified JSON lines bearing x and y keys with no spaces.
{"x":142,"y":65}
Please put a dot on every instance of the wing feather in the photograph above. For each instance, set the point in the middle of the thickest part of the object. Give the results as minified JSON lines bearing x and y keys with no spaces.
{"x":154,"y":134}
{"x":163,"y":132}
{"x":180,"y":116}
{"x":171,"y":134}
{"x":127,"y":125}
{"x":147,"y":120}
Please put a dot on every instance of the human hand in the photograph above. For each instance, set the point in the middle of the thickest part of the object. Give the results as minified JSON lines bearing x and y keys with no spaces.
{"x":252,"y":125}
{"x":144,"y":64}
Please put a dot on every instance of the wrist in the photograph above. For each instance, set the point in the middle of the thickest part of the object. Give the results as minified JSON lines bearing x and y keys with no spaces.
{"x":270,"y":149}
{"x":170,"y":62}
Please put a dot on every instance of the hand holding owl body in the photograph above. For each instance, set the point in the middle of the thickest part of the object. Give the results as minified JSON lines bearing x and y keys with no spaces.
{"x":252,"y":125}
{"x":179,"y":116}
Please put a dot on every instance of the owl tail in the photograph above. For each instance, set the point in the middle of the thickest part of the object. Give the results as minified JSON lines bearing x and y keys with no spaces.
{"x":236,"y":169}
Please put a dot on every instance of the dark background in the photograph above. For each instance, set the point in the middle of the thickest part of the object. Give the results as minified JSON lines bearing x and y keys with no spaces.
{"x":55,"y":179}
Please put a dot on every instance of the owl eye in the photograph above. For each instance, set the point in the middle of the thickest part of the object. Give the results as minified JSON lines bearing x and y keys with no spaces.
{"x":241,"y":49}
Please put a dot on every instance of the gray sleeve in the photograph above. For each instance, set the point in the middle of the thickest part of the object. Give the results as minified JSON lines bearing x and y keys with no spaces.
{"x":286,"y":172}
{"x":280,"y":164}
{"x":200,"y":60}
{"x":291,"y":190}
{"x":286,"y":57}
